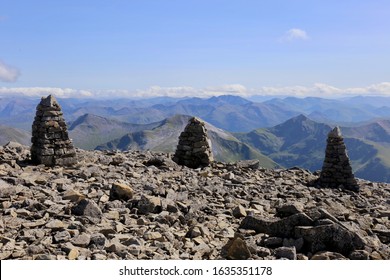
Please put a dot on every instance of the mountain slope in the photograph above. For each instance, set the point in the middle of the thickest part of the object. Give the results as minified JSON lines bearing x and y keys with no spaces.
{"x":301,"y":142}
{"x":8,"y":134}
{"x":89,"y":131}
{"x":378,"y":131}
{"x":336,"y":110}
{"x":296,"y":142}
{"x":164,"y":138}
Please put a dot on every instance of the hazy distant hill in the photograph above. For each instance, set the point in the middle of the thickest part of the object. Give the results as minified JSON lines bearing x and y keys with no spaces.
{"x":301,"y":142}
{"x":231,"y":113}
{"x":164,"y":138}
{"x":89,"y":131}
{"x":378,"y":131}
{"x":18,"y":112}
{"x":296,"y":142}
{"x":347,"y":110}
{"x":8,"y":134}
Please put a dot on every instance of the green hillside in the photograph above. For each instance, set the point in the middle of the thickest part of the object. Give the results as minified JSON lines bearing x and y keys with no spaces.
{"x":301,"y":142}
{"x":164,"y":138}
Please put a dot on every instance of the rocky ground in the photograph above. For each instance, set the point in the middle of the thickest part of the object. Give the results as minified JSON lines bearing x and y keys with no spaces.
{"x":133,"y":205}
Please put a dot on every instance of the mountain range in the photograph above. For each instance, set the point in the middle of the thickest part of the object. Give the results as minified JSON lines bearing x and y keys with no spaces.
{"x":301,"y":141}
{"x":231,"y":113}
{"x":279,"y":132}
{"x":163,"y":136}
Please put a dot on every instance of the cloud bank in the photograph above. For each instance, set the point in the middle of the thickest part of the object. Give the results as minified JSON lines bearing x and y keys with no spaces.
{"x":8,"y":73}
{"x":316,"y":90}
{"x":42,"y":91}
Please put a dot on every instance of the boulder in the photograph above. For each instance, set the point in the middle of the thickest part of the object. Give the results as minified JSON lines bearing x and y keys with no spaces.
{"x":121,"y":191}
{"x":89,"y":209}
{"x":236,"y":249}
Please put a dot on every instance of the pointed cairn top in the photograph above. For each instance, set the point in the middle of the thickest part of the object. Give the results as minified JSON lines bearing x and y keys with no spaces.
{"x":196,"y":120}
{"x":336,"y":170}
{"x":194,"y":147}
{"x":49,"y":101}
{"x":335,"y":133}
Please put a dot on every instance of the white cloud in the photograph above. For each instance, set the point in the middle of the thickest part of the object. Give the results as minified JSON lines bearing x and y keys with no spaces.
{"x":294,"y":34}
{"x":8,"y":73}
{"x":168,"y":91}
{"x":316,"y":90}
{"x":233,"y":89}
{"x":42,"y":91}
{"x":324,"y":90}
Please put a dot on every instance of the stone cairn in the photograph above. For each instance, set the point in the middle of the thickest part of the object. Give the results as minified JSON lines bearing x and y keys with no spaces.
{"x":194,"y":147}
{"x":337,"y":170}
{"x":50,"y":141}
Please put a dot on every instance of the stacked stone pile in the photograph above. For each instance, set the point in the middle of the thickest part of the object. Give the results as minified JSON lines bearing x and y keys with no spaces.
{"x":131,"y":205}
{"x":194,"y":147}
{"x":50,"y":141}
{"x":337,"y":171}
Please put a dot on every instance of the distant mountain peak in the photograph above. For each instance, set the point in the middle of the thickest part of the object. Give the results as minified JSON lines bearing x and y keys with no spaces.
{"x":297,"y":120}
{"x":86,"y":118}
{"x":300,"y":118}
{"x":231,"y":99}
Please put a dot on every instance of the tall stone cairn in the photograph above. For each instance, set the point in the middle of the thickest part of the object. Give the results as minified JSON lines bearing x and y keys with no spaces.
{"x":50,"y":141}
{"x":194,"y":147}
{"x":337,"y":170}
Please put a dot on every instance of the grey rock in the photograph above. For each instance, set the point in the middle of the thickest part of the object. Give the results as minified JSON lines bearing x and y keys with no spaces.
{"x":55,"y":225}
{"x":251,"y":164}
{"x":289,"y":209}
{"x":149,"y":204}
{"x":359,"y":255}
{"x":263,"y":252}
{"x":273,"y":242}
{"x":7,"y":247}
{"x":239,"y":212}
{"x":81,"y":240}
{"x":282,"y":228}
{"x":236,"y":249}
{"x":161,"y":162}
{"x":98,"y":241}
{"x":73,"y":195}
{"x":115,"y":246}
{"x":286,"y":252}
{"x":89,"y":209}
{"x":99,"y":257}
{"x":185,"y":213}
{"x":121,"y":191}
{"x":153,"y":235}
{"x":45,"y":257}
{"x":35,"y":249}
{"x":61,"y":236}
{"x":292,"y":242}
{"x":333,"y":236}
{"x":328,"y":256}
{"x":194,"y":232}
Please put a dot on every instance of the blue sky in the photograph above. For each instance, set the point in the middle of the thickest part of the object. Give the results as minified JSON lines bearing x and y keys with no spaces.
{"x":195,"y":47}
